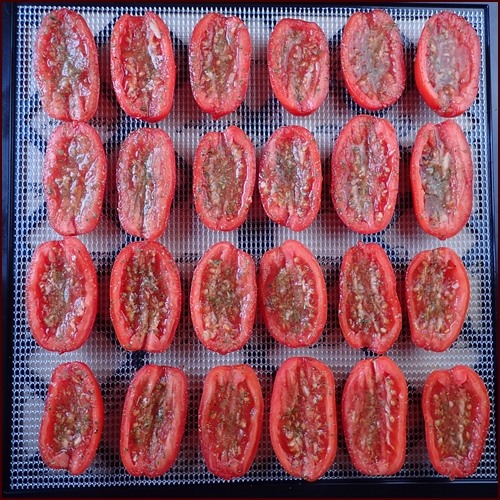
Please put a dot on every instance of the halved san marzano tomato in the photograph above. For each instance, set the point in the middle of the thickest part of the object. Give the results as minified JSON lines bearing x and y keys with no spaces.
{"x":61,"y":295}
{"x":73,"y":418}
{"x":371,"y":55}
{"x":374,"y":408}
{"x":224,"y":298}
{"x":303,"y":419}
{"x":369,"y":308}
{"x":299,"y":65}
{"x":230,"y":420}
{"x":224,"y":178}
{"x":456,"y":409}
{"x":145,"y":180}
{"x":292,"y":294}
{"x":447,"y":64}
{"x":143,"y":66}
{"x":365,"y":174}
{"x":145,"y":293}
{"x":290,"y":177}
{"x":441,"y":179}
{"x":66,"y":66}
{"x":153,"y":420}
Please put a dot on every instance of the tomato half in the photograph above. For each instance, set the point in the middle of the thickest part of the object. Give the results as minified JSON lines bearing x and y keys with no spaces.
{"x":441,"y":179}
{"x":369,"y":308}
{"x":230,"y":420}
{"x":292,"y":294}
{"x":145,"y":293}
{"x":374,"y":408}
{"x":145,"y":180}
{"x":224,"y":178}
{"x":299,"y":65}
{"x":290,"y":177}
{"x":73,"y":418}
{"x":447,"y":64}
{"x":143,"y":66}
{"x":66,"y":66}
{"x":74,"y":178}
{"x":224,"y":298}
{"x":456,"y":410}
{"x":365,"y":174}
{"x":219,"y":63}
{"x":303,"y":419}
{"x":153,"y":420}
{"x":61,"y":295}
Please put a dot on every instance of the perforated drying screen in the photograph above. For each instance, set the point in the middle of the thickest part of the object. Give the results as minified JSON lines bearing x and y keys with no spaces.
{"x":187,"y":239}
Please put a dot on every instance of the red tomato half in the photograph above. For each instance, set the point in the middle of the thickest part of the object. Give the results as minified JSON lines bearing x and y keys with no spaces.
{"x":145,"y":180}
{"x":292,"y":294}
{"x":66,"y":66}
{"x":447,"y":64}
{"x":61,"y":295}
{"x":72,"y":422}
{"x":369,"y":308}
{"x":290,"y":177}
{"x":145,"y":292}
{"x":303,"y":419}
{"x":230,"y":420}
{"x":154,"y":416}
{"x":441,"y":179}
{"x":371,"y":55}
{"x":365,"y":174}
{"x":224,"y":178}
{"x":374,"y":408}
{"x":299,"y":65}
{"x":219,"y":63}
{"x":456,"y":411}
{"x":143,"y":66}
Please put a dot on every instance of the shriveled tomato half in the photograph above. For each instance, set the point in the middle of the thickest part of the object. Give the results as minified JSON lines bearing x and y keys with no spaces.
{"x":230,"y":420}
{"x":371,"y":56}
{"x":369,"y":308}
{"x":290,"y":177}
{"x":224,"y":298}
{"x":224,"y":178}
{"x":456,"y":409}
{"x":143,"y":66}
{"x":61,"y":295}
{"x":153,"y":420}
{"x":145,"y":293}
{"x":66,"y":66}
{"x":303,"y":419}
{"x":374,"y":408}
{"x":447,"y":64}
{"x":145,"y":181}
{"x":299,"y":65}
{"x":292,"y":294}
{"x":441,"y":179}
{"x":365,"y":174}
{"x":73,"y":419}
{"x":219,"y":63}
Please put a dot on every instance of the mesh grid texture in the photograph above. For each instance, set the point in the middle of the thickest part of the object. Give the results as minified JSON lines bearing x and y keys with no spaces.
{"x":187,"y":239}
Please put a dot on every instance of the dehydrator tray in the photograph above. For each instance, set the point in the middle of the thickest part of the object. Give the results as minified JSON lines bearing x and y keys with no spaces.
{"x":29,"y":366}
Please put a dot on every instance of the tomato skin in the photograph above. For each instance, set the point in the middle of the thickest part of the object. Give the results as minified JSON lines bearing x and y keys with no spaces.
{"x":230,"y":420}
{"x":61,"y":295}
{"x":144,"y":85}
{"x":303,"y":417}
{"x":72,"y":421}
{"x":450,"y":42}
{"x":219,"y":94}
{"x":441,"y":175}
{"x":444,"y":392}
{"x":66,"y":66}
{"x":376,"y":389}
